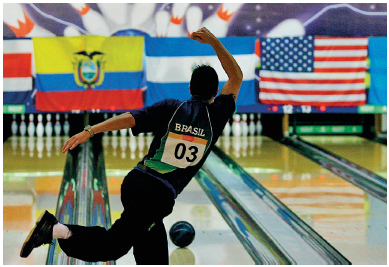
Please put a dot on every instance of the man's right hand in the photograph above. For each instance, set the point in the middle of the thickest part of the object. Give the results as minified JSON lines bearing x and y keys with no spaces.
{"x":203,"y":36}
{"x":75,"y":140}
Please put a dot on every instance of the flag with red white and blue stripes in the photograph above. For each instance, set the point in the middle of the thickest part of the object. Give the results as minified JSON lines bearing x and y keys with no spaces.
{"x":314,"y":71}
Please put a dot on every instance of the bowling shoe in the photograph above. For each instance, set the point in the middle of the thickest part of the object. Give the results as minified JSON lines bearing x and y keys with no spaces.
{"x":42,"y":233}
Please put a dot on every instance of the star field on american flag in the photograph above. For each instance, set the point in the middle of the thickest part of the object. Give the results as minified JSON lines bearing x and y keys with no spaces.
{"x":293,"y":54}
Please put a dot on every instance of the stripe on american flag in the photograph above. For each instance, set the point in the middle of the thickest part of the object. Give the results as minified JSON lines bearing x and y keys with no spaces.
{"x":312,"y":71}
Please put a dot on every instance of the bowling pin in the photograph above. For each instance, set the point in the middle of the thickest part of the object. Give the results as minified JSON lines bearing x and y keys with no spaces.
{"x":14,"y":125}
{"x":175,"y":28}
{"x":39,"y":146}
{"x":14,"y":144}
{"x":48,"y":126}
{"x":114,"y":133}
{"x":20,"y":23}
{"x":149,"y":140}
{"x":123,"y":145}
{"x":259,"y":124}
{"x":49,"y":145}
{"x":243,"y":125}
{"x":31,"y":145}
{"x":123,"y":132}
{"x":132,"y":146}
{"x":31,"y":126}
{"x":66,"y":125}
{"x":141,"y":14}
{"x":218,"y":22}
{"x":40,"y":130}
{"x":161,"y":23}
{"x":115,"y":12}
{"x":193,"y":17}
{"x":227,"y":129}
{"x":252,"y":125}
{"x":236,"y":125}
{"x":93,"y":22}
{"x":23,"y":126}
{"x":57,"y":126}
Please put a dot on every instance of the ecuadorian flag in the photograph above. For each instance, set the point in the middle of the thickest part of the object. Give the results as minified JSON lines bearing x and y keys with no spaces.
{"x":170,"y":63}
{"x":88,"y":72}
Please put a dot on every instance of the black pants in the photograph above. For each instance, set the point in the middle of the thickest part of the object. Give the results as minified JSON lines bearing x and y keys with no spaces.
{"x":146,"y":202}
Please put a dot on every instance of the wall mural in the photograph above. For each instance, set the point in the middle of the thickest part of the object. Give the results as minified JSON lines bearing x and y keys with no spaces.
{"x":174,"y":20}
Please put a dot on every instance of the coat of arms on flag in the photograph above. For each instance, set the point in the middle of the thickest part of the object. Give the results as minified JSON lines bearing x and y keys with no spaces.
{"x":89,"y":69}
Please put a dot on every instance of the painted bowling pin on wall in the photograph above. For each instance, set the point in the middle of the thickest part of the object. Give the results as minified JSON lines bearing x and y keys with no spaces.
{"x":93,"y":22}
{"x":20,"y":23}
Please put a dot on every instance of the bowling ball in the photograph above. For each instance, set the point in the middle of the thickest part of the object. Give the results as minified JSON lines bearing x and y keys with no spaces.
{"x":182,"y":234}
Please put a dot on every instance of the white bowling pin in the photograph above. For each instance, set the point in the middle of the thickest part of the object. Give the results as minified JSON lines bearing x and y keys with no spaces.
{"x":175,"y":28}
{"x":31,"y":126}
{"x":19,"y":22}
{"x":23,"y":126}
{"x":66,"y":125}
{"x":161,"y":23}
{"x":123,"y":132}
{"x":123,"y":145}
{"x":39,"y":146}
{"x":40,"y":130}
{"x":115,"y":12}
{"x":48,"y":126}
{"x":218,"y":22}
{"x":149,"y":140}
{"x":93,"y":22}
{"x":193,"y":17}
{"x":252,"y":125}
{"x":114,"y":133}
{"x":141,"y":14}
{"x":14,"y":125}
{"x":259,"y":124}
{"x":57,"y":126}
{"x":243,"y":125}
{"x":236,"y":131}
{"x":14,"y":144}
{"x":227,"y":129}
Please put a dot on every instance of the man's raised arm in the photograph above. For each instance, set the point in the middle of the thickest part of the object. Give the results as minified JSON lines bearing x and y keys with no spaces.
{"x":229,"y":64}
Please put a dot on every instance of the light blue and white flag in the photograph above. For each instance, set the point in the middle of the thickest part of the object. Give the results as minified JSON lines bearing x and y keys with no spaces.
{"x":170,"y":62}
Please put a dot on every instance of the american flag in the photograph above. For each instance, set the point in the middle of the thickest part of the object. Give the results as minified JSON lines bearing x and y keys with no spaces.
{"x":314,"y":71}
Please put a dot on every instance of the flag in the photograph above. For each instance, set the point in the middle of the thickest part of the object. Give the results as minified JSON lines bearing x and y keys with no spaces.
{"x":88,"y":72}
{"x":314,"y":71}
{"x":17,"y":71}
{"x":378,"y":71}
{"x":170,"y":62}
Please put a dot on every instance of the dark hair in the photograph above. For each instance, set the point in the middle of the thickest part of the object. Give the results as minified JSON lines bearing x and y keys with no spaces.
{"x":204,"y":81}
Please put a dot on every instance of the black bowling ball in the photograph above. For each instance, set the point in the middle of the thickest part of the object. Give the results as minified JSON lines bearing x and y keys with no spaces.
{"x":182,"y":234}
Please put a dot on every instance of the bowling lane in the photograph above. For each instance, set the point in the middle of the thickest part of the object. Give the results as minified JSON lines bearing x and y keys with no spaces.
{"x":370,"y":155}
{"x":32,"y":174}
{"x":349,"y":219}
{"x":214,"y":244}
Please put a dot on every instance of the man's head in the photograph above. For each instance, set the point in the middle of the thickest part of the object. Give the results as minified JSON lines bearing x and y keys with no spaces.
{"x":204,"y":82}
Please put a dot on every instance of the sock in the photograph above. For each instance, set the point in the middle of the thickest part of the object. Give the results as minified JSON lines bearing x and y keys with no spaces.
{"x":61,"y":231}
